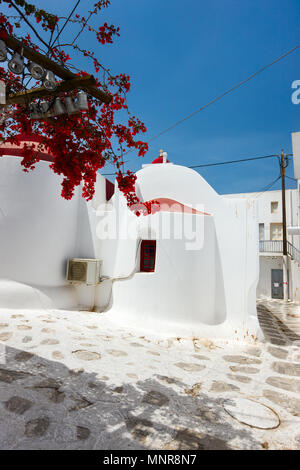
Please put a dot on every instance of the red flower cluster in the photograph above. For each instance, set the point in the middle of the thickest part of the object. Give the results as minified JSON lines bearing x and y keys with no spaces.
{"x":122,"y":81}
{"x":81,"y":143}
{"x":136,"y":125}
{"x":5,"y":27}
{"x":106,"y":33}
{"x":60,"y":55}
{"x":126,"y":184}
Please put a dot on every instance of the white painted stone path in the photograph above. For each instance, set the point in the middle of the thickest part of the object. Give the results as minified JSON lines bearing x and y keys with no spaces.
{"x":74,"y":380}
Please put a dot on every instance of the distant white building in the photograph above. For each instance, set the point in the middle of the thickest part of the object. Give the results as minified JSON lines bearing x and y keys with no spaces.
{"x":270,"y":242}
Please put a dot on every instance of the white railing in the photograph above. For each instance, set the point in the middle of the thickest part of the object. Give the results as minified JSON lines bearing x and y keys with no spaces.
{"x":276,"y":246}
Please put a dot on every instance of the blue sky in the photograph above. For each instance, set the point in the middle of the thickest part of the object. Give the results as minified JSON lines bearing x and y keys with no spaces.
{"x":181,"y":54}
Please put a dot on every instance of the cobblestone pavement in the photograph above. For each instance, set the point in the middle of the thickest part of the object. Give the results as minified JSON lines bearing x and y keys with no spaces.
{"x":73,"y":380}
{"x":280,"y":321}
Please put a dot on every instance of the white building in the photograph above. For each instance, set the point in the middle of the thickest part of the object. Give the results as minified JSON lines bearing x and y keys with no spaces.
{"x":271,"y":234}
{"x":270,"y":243}
{"x":189,"y":269}
{"x":204,"y":283}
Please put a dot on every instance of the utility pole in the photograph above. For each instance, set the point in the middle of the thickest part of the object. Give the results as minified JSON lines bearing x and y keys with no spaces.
{"x":284,"y":238}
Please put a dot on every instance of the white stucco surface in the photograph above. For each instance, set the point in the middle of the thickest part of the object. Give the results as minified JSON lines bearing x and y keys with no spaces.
{"x":39,"y":231}
{"x":296,"y":153}
{"x":208,"y":290}
{"x":267,"y":263}
{"x":267,"y":217}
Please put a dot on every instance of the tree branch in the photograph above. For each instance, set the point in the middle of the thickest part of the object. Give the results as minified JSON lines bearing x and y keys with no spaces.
{"x":29,"y":24}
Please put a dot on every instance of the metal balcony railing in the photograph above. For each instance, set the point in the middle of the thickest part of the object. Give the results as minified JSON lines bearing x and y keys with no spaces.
{"x":276,"y":246}
{"x":270,"y":246}
{"x":293,"y":252}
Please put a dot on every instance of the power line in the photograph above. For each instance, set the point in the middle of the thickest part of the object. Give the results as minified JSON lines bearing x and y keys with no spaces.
{"x":65,"y":24}
{"x":290,"y":178}
{"x":219,"y":97}
{"x":232,"y":161}
{"x":269,"y":186}
{"x":266,"y":188}
{"x":222,"y":163}
{"x":226,"y":92}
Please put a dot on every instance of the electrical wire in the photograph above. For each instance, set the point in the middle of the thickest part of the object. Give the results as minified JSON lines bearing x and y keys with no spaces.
{"x":65,"y":24}
{"x":223,"y":163}
{"x":233,"y":161}
{"x":290,"y":178}
{"x":260,"y":193}
{"x":222,"y":95}
{"x":238,"y":85}
{"x":229,"y":162}
{"x":266,"y":188}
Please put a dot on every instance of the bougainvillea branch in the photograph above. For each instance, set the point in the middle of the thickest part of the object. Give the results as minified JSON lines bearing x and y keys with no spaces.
{"x":81,"y":143}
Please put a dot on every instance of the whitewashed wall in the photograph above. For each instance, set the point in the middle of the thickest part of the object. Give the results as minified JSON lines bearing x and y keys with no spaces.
{"x":294,"y":271}
{"x":209,"y":292}
{"x":267,"y":263}
{"x":39,"y":231}
{"x":265,"y":215}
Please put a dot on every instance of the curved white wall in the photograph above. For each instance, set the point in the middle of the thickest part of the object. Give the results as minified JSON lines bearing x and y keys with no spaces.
{"x":183,"y":289}
{"x":209,"y":291}
{"x":38,"y":228}
{"x":39,"y":231}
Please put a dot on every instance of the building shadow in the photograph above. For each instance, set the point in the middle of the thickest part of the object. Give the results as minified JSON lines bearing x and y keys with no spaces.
{"x":275,"y":331}
{"x":46,"y":405}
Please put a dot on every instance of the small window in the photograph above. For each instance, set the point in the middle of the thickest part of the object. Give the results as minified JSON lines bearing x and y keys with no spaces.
{"x":274,"y":207}
{"x":261,"y":232}
{"x":148,"y":254}
{"x":276,"y":231}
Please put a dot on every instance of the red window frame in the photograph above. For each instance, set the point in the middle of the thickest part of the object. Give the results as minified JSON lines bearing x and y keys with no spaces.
{"x":148,"y":256}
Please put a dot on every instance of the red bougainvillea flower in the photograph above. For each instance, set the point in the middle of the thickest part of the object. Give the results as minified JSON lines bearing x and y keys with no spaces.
{"x":82,"y":143}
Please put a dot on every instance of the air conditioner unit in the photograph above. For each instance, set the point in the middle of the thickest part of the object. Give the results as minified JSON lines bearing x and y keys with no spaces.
{"x":84,"y":271}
